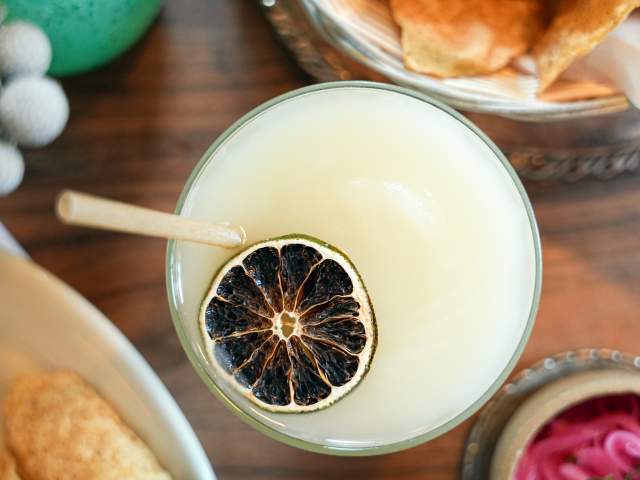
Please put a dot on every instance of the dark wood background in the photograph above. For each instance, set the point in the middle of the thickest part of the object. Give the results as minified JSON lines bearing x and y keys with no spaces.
{"x":137,"y":128}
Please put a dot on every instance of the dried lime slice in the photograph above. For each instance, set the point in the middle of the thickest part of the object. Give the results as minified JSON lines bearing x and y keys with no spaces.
{"x":289,"y":323}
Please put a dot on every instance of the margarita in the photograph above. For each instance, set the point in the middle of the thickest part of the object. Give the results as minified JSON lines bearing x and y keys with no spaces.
{"x":427,"y":212}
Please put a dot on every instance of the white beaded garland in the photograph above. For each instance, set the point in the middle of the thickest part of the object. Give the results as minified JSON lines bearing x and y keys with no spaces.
{"x":11,"y":168}
{"x":33,"y":110}
{"x":24,"y":49}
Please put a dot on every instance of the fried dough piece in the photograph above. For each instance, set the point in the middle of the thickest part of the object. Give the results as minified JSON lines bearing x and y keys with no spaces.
{"x":466,"y":37}
{"x":59,"y":428}
{"x":577,"y":26}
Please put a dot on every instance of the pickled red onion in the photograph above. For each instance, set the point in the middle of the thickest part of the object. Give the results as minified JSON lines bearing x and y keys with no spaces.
{"x":597,"y":439}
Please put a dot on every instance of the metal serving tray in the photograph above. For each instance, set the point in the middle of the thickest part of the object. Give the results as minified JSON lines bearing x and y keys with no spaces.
{"x":566,"y":141}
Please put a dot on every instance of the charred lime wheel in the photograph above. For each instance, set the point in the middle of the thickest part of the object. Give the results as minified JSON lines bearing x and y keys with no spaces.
{"x":289,"y":323}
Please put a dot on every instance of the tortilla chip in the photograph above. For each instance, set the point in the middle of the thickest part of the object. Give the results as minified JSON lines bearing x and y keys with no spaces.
{"x":57,"y":426}
{"x":7,"y":466}
{"x":577,"y":26}
{"x":466,"y":37}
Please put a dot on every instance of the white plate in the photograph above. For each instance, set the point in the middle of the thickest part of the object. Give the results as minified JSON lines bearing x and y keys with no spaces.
{"x":44,"y":324}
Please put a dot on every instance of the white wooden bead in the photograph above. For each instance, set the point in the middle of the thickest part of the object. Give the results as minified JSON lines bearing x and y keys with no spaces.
{"x":33,"y":110}
{"x":11,"y":168}
{"x":24,"y":49}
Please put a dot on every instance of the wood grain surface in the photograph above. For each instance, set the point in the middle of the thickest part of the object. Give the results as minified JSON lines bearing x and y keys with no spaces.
{"x":137,"y":128}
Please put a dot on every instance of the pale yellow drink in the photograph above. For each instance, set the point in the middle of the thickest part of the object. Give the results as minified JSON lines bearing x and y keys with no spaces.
{"x":430,"y":217}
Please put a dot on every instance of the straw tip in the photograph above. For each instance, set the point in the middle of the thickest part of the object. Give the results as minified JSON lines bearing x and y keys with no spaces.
{"x":64,"y":205}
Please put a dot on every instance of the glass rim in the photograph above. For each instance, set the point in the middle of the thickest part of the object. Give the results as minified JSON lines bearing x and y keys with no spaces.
{"x":199,"y":366}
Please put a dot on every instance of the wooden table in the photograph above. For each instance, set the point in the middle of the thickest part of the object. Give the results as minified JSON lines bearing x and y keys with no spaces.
{"x":137,"y":129}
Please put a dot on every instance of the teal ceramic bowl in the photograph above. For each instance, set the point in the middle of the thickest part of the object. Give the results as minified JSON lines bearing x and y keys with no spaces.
{"x":85,"y":34}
